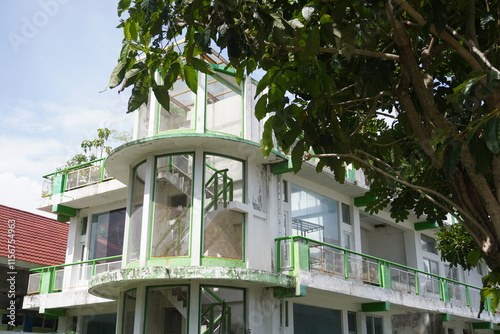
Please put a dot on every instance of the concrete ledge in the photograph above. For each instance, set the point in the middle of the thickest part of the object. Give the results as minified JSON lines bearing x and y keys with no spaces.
{"x":110,"y":284}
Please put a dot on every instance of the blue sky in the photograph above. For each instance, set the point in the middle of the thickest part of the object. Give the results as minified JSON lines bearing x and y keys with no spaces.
{"x":56,"y":57}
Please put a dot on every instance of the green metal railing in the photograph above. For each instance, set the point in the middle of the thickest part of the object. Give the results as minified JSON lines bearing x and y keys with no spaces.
{"x":221,"y":186}
{"x":52,"y":279}
{"x":75,"y":177}
{"x":297,"y":253}
{"x":217,"y":321}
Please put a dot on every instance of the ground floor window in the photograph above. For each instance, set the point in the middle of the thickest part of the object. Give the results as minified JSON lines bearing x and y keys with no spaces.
{"x":310,"y":319}
{"x":222,"y":310}
{"x":374,"y":325}
{"x":167,"y":310}
{"x":129,"y":311}
{"x":99,"y":324}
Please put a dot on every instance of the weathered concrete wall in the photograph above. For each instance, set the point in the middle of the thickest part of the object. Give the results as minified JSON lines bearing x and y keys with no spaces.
{"x":417,"y":323}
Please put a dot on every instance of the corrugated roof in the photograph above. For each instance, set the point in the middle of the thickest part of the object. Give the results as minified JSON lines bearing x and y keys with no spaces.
{"x":38,"y":239}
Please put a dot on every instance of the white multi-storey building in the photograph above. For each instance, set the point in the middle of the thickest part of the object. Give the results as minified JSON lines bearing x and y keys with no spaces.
{"x":188,"y":229}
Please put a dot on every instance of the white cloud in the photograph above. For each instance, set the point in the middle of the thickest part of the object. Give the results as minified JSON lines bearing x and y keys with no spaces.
{"x":21,"y":193}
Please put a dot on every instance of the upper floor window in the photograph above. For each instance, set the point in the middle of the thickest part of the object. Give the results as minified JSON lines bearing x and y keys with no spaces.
{"x":428,"y":244}
{"x":181,"y":113}
{"x":224,"y":105}
{"x":315,"y":216}
{"x":346,"y":213}
{"x":106,"y":234}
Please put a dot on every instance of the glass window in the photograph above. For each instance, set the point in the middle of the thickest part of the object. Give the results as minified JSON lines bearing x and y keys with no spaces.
{"x":311,"y":319}
{"x":374,"y":325}
{"x":223,"y":309}
{"x":181,"y":114}
{"x":351,"y":322}
{"x":99,"y":324}
{"x":222,"y":228}
{"x":428,"y":244}
{"x":135,"y":221}
{"x":314,"y":216}
{"x":106,"y":235}
{"x":347,"y":240}
{"x":346,"y":214}
{"x":172,"y":205}
{"x":167,"y":310}
{"x":224,"y":105}
{"x":129,"y":311}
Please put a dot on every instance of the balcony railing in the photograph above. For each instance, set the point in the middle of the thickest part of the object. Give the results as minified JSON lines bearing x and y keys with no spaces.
{"x":299,"y":253}
{"x":74,"y":177}
{"x":69,"y":276}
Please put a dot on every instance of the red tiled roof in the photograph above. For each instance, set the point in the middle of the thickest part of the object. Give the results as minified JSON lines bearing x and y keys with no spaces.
{"x":38,"y":239}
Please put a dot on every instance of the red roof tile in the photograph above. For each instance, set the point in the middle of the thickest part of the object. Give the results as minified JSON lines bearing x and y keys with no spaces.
{"x":38,"y":239}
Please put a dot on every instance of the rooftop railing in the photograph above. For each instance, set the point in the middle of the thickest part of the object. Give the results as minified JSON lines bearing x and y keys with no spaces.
{"x":69,"y":276}
{"x":299,"y":253}
{"x":74,"y":177}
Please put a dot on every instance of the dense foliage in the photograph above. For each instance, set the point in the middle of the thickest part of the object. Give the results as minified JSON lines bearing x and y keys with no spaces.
{"x":407,"y":90}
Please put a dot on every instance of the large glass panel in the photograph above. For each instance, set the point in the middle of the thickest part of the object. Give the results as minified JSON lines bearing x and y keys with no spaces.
{"x":311,"y":319}
{"x":106,"y":237}
{"x":314,"y":216}
{"x":181,"y":114}
{"x":222,"y":228}
{"x":129,"y":302}
{"x":172,"y":205}
{"x":224,"y":111}
{"x":99,"y":324}
{"x":135,"y":221}
{"x":167,"y":310}
{"x":222,"y":310}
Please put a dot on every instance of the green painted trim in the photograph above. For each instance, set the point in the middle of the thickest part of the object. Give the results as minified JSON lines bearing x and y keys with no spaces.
{"x":62,"y":218}
{"x":482,"y":325}
{"x":445,"y":317}
{"x":216,"y":261}
{"x":376,"y":307}
{"x":363,"y":200}
{"x":55,"y":312}
{"x":421,"y":226}
{"x":63,"y":210}
{"x":282,"y":167}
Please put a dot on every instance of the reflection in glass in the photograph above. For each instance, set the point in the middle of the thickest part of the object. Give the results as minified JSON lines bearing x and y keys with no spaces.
{"x":222,"y":310}
{"x":181,"y":114}
{"x":167,"y":310}
{"x":224,"y":109}
{"x":172,"y":205}
{"x":129,"y":311}
{"x":222,"y":228}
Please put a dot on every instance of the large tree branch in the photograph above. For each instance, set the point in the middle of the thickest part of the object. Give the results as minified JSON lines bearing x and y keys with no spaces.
{"x":466,"y":55}
{"x":380,"y":55}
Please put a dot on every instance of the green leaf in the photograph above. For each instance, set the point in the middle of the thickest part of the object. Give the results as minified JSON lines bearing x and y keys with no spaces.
{"x":492,"y":138}
{"x":161,"y":94}
{"x":138,"y":97}
{"x":130,"y":30}
{"x":266,"y":143}
{"x":204,"y":40}
{"x":191,"y":77}
{"x":117,"y":75}
{"x":123,"y":5}
{"x":202,"y":66}
{"x":148,"y":6}
{"x":473,"y":257}
{"x":260,"y":107}
{"x":172,"y":75}
{"x":297,"y":155}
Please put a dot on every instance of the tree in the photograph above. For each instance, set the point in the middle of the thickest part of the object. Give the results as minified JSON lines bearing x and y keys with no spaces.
{"x":97,"y":148}
{"x":407,"y":90}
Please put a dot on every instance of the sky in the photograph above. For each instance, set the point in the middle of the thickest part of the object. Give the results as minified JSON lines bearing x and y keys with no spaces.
{"x":55,"y":61}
